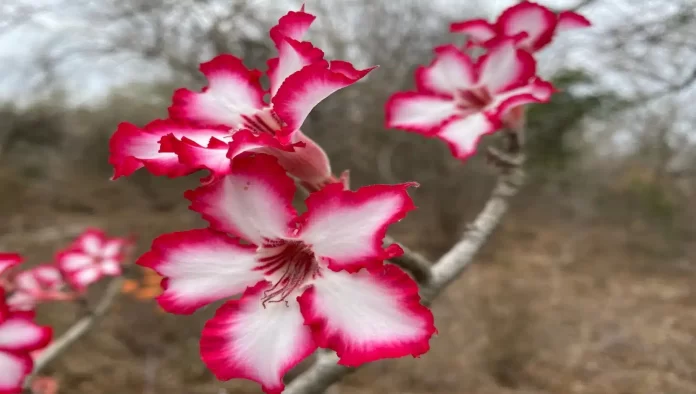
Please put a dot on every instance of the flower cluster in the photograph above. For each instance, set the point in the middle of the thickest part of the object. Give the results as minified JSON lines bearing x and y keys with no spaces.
{"x":21,"y":291}
{"x":301,"y":281}
{"x":459,"y":99}
{"x":294,"y":282}
{"x":231,"y":116}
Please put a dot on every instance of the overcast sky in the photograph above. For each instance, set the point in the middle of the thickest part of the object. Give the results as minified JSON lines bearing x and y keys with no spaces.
{"x":18,"y":47}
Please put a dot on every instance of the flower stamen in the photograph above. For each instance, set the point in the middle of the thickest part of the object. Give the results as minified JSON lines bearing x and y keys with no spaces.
{"x":296,"y":262}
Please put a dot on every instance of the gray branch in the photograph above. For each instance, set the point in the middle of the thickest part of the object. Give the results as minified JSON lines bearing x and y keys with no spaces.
{"x":77,"y":330}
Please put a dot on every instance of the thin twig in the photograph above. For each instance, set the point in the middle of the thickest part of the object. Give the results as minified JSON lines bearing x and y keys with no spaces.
{"x":77,"y":330}
{"x":413,"y":262}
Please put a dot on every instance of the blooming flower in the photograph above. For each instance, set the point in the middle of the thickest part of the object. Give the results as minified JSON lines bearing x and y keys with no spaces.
{"x":531,"y":25}
{"x":316,"y":279}
{"x":41,"y":283}
{"x":459,"y":100}
{"x":91,"y":257}
{"x":19,"y":336}
{"x":204,"y":123}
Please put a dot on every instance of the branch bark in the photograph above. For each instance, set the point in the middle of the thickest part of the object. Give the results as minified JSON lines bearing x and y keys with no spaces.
{"x":77,"y":330}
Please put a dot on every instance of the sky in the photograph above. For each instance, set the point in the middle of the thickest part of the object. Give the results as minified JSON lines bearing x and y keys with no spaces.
{"x":20,"y":47}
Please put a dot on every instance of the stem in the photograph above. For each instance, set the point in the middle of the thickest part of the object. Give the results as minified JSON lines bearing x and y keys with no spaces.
{"x":77,"y":330}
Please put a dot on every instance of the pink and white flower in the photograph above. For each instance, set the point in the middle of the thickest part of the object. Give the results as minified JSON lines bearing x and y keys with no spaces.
{"x":9,"y":261}
{"x":42,"y":283}
{"x":19,"y":336}
{"x":460,"y":100}
{"x":233,"y":101}
{"x":531,"y":25}
{"x":91,"y":257}
{"x":316,"y":279}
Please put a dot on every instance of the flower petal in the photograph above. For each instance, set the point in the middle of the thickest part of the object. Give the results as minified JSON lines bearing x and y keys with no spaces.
{"x":232,"y":92}
{"x":212,"y":157}
{"x":19,"y":334}
{"x":293,"y":25}
{"x":348,"y":70}
{"x":309,"y":163}
{"x":200,"y":267}
{"x":84,"y":277}
{"x":537,"y":21}
{"x":306,"y":88}
{"x":253,"y":202}
{"x":303,"y":159}
{"x":74,"y":260}
{"x":539,"y":91}
{"x":91,"y":241}
{"x":478,"y":30}
{"x":293,"y":55}
{"x":569,"y":20}
{"x":505,"y":67}
{"x":132,"y":148}
{"x":348,"y":228}
{"x":21,"y":301}
{"x":422,"y":113}
{"x":451,"y":71}
{"x":249,"y":341}
{"x":368,"y":316}
{"x":14,"y":367}
{"x":110,"y":267}
{"x":113,"y":247}
{"x":9,"y":260}
{"x":463,"y":134}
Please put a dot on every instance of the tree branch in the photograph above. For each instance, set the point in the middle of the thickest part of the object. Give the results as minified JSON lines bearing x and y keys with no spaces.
{"x":77,"y":330}
{"x":413,"y":262}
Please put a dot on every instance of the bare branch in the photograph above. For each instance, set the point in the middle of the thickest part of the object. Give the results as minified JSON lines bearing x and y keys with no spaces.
{"x":413,"y":262}
{"x":77,"y":330}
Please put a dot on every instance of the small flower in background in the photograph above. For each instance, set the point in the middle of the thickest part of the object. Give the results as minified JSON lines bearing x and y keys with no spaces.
{"x":202,"y":131}
{"x":42,"y":283}
{"x":312,"y":280}
{"x":460,"y":100}
{"x":91,"y":257}
{"x":530,"y":25}
{"x":19,"y":337}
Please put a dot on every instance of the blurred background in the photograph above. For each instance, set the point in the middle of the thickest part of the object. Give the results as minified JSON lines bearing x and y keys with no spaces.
{"x":589,"y":286}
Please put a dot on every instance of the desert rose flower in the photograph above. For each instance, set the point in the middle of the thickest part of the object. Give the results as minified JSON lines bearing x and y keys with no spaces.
{"x":460,"y":100}
{"x":306,"y":281}
{"x":91,"y":257}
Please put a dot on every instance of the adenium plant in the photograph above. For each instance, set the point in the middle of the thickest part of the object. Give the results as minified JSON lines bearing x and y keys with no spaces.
{"x":292,"y":282}
{"x":92,"y":256}
{"x":460,"y":100}
{"x":21,"y":290}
